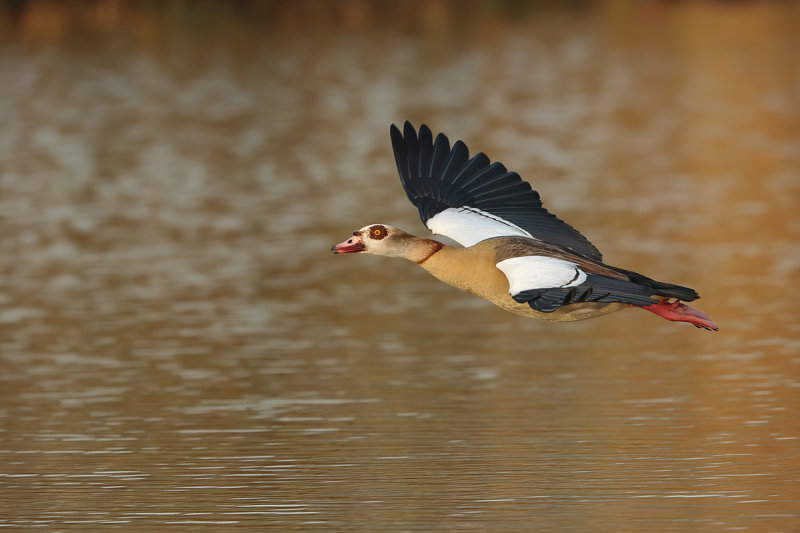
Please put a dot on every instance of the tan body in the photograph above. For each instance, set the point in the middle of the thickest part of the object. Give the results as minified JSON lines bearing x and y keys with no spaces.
{"x":474,"y":270}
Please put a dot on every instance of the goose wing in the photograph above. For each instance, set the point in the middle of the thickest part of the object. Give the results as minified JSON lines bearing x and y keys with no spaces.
{"x":547,"y":277}
{"x":470,"y":199}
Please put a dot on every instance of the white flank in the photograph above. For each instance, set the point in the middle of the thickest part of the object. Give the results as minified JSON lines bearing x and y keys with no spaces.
{"x":540,"y":272}
{"x":467,"y":225}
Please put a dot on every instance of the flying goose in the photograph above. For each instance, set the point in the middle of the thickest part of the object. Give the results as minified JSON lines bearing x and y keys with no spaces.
{"x":515,"y":253}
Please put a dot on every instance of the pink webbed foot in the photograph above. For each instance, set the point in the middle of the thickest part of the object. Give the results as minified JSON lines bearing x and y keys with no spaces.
{"x":680,"y":312}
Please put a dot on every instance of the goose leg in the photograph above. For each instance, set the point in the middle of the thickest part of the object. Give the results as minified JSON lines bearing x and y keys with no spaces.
{"x":680,"y":312}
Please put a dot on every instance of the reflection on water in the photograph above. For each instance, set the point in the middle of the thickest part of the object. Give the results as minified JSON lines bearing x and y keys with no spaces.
{"x":179,"y":348}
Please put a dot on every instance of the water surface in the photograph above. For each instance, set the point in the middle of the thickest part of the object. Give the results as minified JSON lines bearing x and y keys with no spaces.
{"x":180,"y":351}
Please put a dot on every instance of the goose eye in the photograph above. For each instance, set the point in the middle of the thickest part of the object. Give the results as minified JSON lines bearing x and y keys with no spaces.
{"x":377,"y":232}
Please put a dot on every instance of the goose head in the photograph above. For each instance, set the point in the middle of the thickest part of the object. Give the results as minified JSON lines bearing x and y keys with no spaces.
{"x":376,"y":239}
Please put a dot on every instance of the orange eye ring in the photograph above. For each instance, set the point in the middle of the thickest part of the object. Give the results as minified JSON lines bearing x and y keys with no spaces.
{"x":378,"y":232}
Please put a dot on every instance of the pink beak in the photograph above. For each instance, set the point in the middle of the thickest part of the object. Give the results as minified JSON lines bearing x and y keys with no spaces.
{"x":352,"y":245}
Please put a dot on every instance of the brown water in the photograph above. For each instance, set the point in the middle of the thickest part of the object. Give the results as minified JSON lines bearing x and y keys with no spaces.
{"x":180,"y":351}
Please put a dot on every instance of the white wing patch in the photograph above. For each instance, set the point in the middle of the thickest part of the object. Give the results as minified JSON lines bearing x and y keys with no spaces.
{"x":468,"y":226}
{"x":540,"y":272}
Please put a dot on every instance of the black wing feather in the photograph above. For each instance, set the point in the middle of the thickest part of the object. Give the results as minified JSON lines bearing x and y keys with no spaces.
{"x":441,"y":151}
{"x":595,"y":289}
{"x":471,"y":167}
{"x":458,"y":157}
{"x":436,"y":177}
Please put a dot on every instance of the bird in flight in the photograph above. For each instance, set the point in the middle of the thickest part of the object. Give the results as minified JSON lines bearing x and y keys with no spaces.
{"x":514,"y":252}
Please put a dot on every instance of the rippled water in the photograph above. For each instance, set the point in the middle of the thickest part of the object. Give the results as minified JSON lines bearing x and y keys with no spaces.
{"x":178,"y":346}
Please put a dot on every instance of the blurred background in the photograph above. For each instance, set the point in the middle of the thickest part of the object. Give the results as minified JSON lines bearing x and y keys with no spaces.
{"x":180,"y":351}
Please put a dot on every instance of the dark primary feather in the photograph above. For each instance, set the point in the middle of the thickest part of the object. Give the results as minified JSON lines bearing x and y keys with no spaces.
{"x":660,"y":288}
{"x":595,"y":289}
{"x":436,"y":177}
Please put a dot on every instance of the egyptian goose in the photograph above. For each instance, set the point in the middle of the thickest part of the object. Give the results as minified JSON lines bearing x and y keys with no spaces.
{"x":515,"y":253}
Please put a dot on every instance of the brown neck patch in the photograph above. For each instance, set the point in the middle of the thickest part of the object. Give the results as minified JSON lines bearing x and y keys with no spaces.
{"x":435,"y":247}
